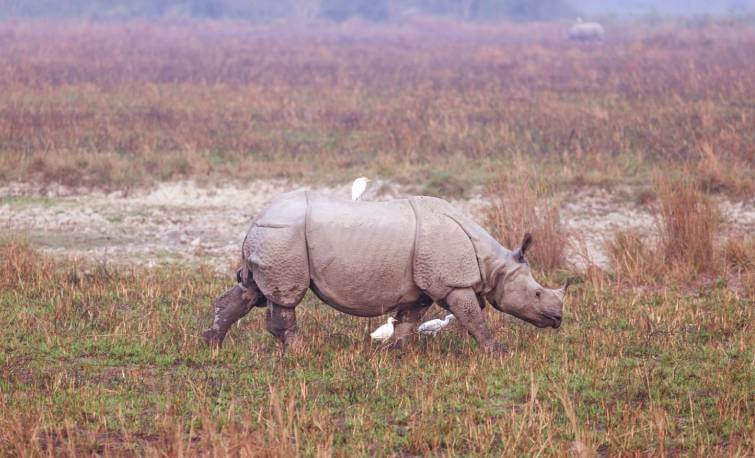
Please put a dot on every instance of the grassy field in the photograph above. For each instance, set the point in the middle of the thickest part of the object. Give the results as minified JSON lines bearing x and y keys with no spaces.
{"x":99,"y":360}
{"x":124,"y":104}
{"x":655,"y":356}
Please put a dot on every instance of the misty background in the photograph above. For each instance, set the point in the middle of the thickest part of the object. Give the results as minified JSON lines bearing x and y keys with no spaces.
{"x":372,"y":10}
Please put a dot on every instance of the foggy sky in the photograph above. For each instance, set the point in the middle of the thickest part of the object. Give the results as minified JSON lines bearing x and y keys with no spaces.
{"x":376,"y":10}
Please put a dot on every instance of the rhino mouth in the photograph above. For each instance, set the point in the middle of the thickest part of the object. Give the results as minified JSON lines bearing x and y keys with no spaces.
{"x":552,"y":321}
{"x":544,"y":320}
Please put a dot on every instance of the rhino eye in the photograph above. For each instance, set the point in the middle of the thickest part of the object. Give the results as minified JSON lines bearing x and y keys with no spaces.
{"x":537,"y":294}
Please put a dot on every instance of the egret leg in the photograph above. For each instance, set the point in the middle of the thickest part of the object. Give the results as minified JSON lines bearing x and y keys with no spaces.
{"x":463,"y":303}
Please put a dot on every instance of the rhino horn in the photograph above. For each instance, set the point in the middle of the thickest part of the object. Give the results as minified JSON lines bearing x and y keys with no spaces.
{"x":561,"y":292}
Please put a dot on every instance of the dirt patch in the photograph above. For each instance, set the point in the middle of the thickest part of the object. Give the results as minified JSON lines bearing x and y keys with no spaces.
{"x":595,"y":214}
{"x":184,"y":222}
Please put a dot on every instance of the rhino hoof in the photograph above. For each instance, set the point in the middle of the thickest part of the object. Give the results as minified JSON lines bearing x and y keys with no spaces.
{"x":496,"y":349}
{"x":397,"y":344}
{"x":213,"y":338}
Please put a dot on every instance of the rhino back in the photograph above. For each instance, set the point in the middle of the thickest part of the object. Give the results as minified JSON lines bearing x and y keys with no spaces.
{"x":360,"y":254}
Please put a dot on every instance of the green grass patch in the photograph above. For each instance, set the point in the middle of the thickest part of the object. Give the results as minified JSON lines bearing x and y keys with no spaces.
{"x":113,"y":363}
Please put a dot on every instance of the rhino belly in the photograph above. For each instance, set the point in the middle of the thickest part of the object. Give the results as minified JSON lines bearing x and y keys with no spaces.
{"x":360,"y":255}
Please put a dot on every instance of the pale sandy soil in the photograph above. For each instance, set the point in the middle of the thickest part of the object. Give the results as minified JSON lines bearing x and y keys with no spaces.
{"x":185,"y":223}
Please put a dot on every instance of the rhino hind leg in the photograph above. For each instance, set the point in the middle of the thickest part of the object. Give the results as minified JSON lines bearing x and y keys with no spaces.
{"x":281,"y":323}
{"x":230,"y":307}
{"x":465,"y":306}
{"x":408,"y":318}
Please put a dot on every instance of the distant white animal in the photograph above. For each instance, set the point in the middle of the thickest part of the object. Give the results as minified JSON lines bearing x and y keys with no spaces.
{"x":433,"y":326}
{"x":385,"y":331}
{"x":358,"y":187}
{"x":586,"y":31}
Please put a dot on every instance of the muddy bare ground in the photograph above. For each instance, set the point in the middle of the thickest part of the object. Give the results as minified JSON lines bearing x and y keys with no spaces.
{"x":182,"y":222}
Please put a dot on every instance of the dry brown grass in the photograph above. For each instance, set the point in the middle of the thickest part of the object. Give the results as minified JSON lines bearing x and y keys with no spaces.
{"x":724,"y":176}
{"x":111,"y":363}
{"x":687,"y":221}
{"x":520,"y":202}
{"x":739,"y":253}
{"x":738,"y":256}
{"x":126,"y":103}
{"x":684,"y":245}
{"x":632,"y":258}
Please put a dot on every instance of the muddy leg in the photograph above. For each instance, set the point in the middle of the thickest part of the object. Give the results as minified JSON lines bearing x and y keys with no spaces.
{"x":407,"y":323}
{"x":281,"y":322}
{"x":466,"y":308}
{"x":229,"y":308}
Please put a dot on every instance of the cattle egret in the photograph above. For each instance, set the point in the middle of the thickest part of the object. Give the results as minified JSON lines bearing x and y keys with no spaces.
{"x":433,"y":326}
{"x":358,"y":187}
{"x":385,"y":331}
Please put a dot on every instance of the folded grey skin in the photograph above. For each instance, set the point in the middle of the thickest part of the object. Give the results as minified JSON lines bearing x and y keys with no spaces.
{"x":373,"y":258}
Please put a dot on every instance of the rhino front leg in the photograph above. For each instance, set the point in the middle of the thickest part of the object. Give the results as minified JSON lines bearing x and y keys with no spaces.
{"x":229,"y":308}
{"x":281,"y":322}
{"x":465,"y":306}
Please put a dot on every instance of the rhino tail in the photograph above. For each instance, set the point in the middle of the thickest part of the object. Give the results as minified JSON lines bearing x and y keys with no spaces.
{"x":245,"y":278}
{"x":251,"y":292}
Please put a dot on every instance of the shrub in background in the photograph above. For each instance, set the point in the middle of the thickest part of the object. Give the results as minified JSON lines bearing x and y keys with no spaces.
{"x":633,"y":261}
{"x":521,"y":203}
{"x":684,"y":245}
{"x":687,"y":223}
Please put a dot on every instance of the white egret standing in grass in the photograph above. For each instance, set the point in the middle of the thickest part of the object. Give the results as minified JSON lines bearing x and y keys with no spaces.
{"x":385,"y":331}
{"x":433,"y":326}
{"x":358,"y":187}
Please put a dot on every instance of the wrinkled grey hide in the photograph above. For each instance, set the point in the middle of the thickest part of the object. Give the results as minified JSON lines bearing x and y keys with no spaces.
{"x":372,"y":258}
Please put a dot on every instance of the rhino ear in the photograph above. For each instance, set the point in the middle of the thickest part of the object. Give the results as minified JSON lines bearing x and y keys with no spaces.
{"x":526,"y":242}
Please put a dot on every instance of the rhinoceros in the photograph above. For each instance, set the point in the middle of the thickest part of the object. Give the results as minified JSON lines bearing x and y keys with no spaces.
{"x":586,"y":31}
{"x":369,"y":258}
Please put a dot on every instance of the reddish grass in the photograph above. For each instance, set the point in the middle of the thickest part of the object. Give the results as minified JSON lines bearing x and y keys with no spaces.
{"x":687,"y":225}
{"x":126,"y":103}
{"x":686,"y":243}
{"x":632,"y":258}
{"x":521,"y":203}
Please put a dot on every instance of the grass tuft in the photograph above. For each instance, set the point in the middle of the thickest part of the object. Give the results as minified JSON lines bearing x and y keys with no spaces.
{"x":521,"y":203}
{"x":633,"y":261}
{"x":687,"y":225}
